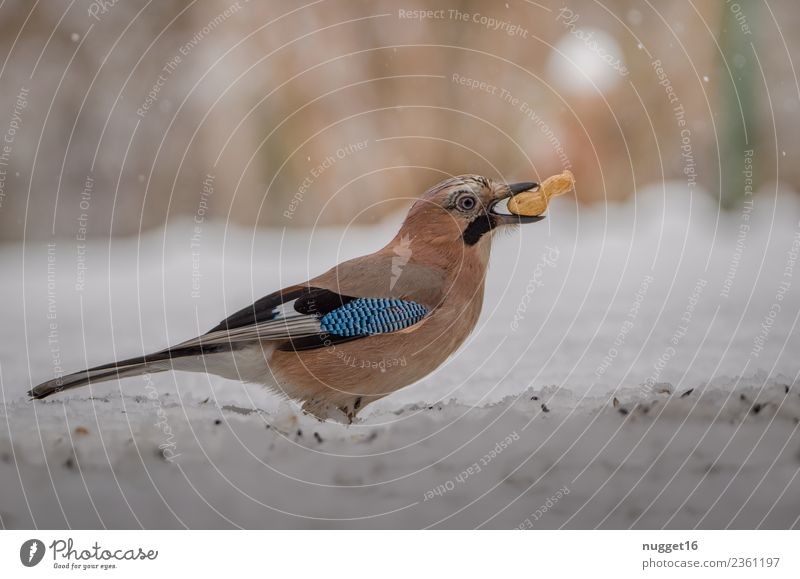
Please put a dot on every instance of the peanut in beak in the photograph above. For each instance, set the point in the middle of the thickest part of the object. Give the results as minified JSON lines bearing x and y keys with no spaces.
{"x":532,"y":203}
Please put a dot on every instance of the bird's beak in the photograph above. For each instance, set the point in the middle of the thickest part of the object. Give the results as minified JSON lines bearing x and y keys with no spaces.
{"x":517,"y":188}
{"x":500,"y":207}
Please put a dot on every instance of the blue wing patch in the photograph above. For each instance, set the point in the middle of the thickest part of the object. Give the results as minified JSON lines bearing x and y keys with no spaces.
{"x":367,"y":316}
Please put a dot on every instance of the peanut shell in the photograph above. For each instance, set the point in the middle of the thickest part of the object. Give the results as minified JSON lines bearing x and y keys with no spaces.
{"x":532,"y":203}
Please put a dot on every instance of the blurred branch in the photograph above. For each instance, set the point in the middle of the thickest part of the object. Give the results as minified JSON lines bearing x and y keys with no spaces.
{"x":738,"y":110}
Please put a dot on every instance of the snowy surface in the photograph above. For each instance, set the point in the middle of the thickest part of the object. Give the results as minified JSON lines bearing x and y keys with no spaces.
{"x":625,"y":302}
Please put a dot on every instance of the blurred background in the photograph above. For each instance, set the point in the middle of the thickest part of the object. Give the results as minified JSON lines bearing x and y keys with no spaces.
{"x":119,"y":116}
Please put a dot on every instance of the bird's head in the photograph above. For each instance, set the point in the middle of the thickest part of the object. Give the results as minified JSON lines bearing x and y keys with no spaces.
{"x":465,"y":209}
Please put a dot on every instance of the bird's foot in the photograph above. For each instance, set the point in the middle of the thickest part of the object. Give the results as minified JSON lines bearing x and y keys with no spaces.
{"x":343,"y":413}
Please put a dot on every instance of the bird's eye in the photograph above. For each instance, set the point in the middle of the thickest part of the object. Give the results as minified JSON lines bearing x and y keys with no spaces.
{"x":466,"y":203}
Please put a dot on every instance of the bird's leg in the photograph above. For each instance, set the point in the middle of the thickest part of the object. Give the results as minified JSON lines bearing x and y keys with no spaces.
{"x":323,"y":410}
{"x":350,"y":410}
{"x":343,"y":410}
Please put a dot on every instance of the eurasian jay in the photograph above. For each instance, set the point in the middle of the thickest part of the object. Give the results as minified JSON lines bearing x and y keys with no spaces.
{"x":363,"y":329}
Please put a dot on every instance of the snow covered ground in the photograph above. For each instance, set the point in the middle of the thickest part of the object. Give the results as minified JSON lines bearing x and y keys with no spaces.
{"x":635,"y":366}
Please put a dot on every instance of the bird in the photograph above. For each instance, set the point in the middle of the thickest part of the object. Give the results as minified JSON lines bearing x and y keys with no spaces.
{"x":365,"y":328}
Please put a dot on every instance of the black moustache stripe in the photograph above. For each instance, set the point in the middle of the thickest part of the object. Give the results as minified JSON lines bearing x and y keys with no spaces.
{"x":477,"y":227}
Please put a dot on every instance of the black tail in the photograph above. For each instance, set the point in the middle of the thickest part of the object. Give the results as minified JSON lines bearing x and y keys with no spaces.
{"x":125,"y":368}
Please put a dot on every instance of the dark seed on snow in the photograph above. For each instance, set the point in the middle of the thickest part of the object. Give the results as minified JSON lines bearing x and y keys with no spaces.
{"x":318,"y":437}
{"x":757,"y":408}
{"x":545,"y":408}
{"x":299,"y":432}
{"x":534,"y":398}
{"x":742,"y":397}
{"x":689,"y":391}
{"x":623,"y":411}
{"x":218,"y":422}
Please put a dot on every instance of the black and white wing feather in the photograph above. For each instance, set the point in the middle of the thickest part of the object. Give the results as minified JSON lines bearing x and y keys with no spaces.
{"x":308,"y":317}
